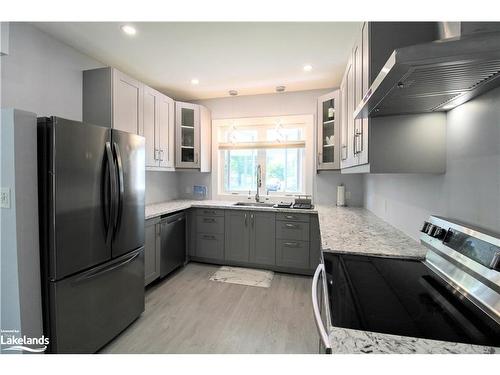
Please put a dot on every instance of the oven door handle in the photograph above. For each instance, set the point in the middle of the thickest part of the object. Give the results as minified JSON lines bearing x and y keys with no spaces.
{"x":317,"y":314}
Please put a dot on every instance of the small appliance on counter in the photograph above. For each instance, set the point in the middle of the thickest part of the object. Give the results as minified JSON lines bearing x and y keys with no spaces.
{"x":303,"y":203}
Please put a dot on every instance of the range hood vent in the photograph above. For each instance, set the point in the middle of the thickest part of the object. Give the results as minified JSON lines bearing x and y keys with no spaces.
{"x":435,"y":76}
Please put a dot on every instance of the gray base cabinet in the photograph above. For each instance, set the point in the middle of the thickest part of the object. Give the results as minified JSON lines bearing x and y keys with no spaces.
{"x":285,"y":242}
{"x":152,"y":249}
{"x":262,"y":238}
{"x":293,"y":240}
{"x":237,"y":236}
{"x":209,"y":230}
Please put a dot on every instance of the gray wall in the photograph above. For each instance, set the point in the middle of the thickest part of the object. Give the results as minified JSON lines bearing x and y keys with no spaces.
{"x":43,"y":75}
{"x":470,"y":188}
{"x":288,"y":103}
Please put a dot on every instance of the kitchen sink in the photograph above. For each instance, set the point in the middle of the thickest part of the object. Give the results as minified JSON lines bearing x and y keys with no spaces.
{"x":253,"y":204}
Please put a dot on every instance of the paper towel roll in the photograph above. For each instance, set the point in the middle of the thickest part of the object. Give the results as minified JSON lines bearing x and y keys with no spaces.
{"x":341,"y":195}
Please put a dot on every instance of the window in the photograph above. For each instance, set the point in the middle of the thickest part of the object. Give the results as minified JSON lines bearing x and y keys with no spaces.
{"x":278,"y":144}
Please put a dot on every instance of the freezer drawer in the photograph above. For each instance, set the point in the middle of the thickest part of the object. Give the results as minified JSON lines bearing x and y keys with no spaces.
{"x":91,"y":308}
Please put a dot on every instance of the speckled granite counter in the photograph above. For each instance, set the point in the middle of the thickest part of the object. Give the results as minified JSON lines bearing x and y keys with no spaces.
{"x":351,"y":341}
{"x":358,"y":231}
{"x":158,"y":209}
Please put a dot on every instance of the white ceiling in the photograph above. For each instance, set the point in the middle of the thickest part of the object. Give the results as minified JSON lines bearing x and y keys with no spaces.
{"x":252,"y":58}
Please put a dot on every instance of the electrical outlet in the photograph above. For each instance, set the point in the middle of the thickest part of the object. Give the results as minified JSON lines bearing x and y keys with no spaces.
{"x":4,"y":197}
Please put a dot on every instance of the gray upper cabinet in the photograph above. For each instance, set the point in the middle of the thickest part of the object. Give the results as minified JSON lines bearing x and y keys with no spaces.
{"x":158,"y":111}
{"x":193,"y":135}
{"x":152,"y":247}
{"x":328,"y":132}
{"x":113,"y":99}
{"x":262,"y":238}
{"x":386,"y":145}
{"x":237,"y":235}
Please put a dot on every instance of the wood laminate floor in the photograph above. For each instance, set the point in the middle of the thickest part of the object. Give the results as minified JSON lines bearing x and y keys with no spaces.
{"x":188,"y":313}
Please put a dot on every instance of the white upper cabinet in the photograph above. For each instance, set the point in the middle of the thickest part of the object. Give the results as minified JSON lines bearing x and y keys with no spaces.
{"x":113,"y":99}
{"x":328,"y":131}
{"x":127,"y":103}
{"x":158,"y":129}
{"x":192,"y":136}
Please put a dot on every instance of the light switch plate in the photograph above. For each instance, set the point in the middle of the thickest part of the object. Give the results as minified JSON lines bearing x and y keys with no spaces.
{"x":4,"y":197}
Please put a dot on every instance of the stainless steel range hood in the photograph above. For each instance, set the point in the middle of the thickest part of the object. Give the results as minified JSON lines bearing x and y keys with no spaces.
{"x":436,"y":76}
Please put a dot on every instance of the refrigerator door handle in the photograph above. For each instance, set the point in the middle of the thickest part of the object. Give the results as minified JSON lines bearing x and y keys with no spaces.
{"x":100,"y":271}
{"x":112,"y":182}
{"x":121,"y":188}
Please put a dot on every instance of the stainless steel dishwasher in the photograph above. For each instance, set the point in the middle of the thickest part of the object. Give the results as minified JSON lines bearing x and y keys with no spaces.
{"x":173,"y":242}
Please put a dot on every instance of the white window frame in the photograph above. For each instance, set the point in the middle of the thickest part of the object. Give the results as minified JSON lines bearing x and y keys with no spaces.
{"x":218,"y":163}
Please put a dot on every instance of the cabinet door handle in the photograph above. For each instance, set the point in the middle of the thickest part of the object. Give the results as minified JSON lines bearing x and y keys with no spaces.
{"x":291,"y":244}
{"x":290,"y":217}
{"x":251,"y":219}
{"x":207,"y":237}
{"x":246,"y":222}
{"x":208,"y":220}
{"x":209,"y":212}
{"x":288,"y":225}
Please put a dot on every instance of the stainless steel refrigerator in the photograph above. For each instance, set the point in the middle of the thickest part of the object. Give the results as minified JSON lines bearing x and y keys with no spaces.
{"x":91,"y":197}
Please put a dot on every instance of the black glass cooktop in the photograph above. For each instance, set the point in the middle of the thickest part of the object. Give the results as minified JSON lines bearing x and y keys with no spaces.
{"x":402,"y":297}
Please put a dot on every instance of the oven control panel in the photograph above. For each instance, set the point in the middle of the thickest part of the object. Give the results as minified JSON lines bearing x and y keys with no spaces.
{"x":465,"y":241}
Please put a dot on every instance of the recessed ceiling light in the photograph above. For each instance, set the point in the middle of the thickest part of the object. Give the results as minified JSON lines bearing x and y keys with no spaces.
{"x":128,"y":29}
{"x":195,"y":81}
{"x":307,"y":68}
{"x":280,"y":88}
{"x":233,"y":92}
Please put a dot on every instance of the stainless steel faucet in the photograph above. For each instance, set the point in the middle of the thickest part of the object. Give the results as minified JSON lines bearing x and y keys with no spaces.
{"x":259,"y":183}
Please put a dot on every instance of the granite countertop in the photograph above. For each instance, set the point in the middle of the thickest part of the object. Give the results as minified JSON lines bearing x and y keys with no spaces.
{"x":158,"y":209}
{"x":351,"y":341}
{"x":356,"y":230}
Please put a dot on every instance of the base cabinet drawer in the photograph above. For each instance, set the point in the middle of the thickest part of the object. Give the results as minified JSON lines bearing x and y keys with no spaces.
{"x":293,"y":254}
{"x":210,"y":246}
{"x":209,"y":212}
{"x":292,"y":230}
{"x":287,"y":216}
{"x":210,"y":224}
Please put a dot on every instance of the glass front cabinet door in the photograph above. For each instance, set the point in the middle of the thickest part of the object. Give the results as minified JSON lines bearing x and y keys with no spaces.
{"x":187,"y":127}
{"x":328,"y":131}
